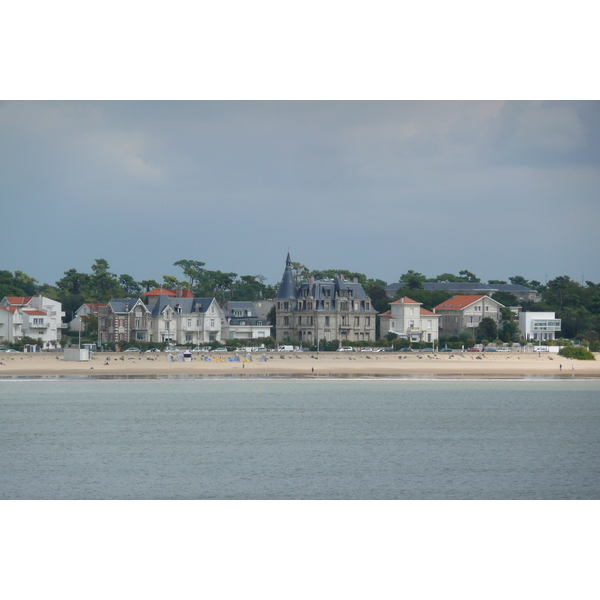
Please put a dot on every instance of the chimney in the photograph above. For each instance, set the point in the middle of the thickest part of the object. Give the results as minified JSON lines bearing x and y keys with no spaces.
{"x":355,"y":279}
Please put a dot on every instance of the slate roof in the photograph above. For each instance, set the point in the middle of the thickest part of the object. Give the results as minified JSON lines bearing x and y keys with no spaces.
{"x":188,"y":305}
{"x":468,"y":287}
{"x":119,"y":305}
{"x":287,"y":288}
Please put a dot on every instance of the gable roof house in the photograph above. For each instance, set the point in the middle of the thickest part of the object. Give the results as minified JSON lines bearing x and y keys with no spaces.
{"x":465,"y":312}
{"x":123,"y":320}
{"x":330,"y":309}
{"x":185,"y":320}
{"x":37,"y":317}
{"x":409,"y":320}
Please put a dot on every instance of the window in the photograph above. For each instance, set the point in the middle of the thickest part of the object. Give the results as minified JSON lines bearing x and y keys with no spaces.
{"x":367,"y":321}
{"x":286,"y":320}
{"x":368,"y":305}
{"x":487,"y":309}
{"x":311,"y":321}
{"x":189,"y":322}
{"x":286,"y":306}
{"x":326,"y":305}
{"x":138,"y":323}
{"x":356,"y":321}
{"x":188,"y":337}
{"x":343,"y":305}
{"x":310,"y":306}
{"x":212,"y":323}
{"x":326,"y":321}
{"x":299,"y":320}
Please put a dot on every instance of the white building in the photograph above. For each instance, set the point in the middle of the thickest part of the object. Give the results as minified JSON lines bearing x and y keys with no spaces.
{"x":36,"y":317}
{"x":539,"y":325}
{"x":409,"y":320}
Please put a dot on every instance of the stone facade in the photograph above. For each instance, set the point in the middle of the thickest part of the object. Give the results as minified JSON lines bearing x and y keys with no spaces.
{"x":331,"y":309}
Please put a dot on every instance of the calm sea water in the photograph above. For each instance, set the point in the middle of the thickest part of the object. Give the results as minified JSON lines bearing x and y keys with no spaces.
{"x":299,"y":439}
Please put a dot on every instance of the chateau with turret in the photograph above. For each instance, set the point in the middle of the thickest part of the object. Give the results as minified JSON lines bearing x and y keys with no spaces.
{"x":329,"y":309}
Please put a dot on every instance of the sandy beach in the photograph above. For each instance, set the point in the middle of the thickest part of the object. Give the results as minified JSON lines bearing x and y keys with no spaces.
{"x":324,"y":364}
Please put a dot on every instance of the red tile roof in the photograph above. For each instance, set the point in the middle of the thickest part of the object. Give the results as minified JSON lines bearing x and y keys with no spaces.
{"x":10,"y":309}
{"x":405,"y":300}
{"x":160,"y":292}
{"x":34,"y":311}
{"x":18,"y":300}
{"x":424,"y":311}
{"x":458,"y":302}
{"x":187,"y":294}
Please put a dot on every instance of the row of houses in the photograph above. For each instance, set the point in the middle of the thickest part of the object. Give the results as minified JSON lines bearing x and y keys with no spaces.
{"x":329,"y":309}
{"x":337,"y":309}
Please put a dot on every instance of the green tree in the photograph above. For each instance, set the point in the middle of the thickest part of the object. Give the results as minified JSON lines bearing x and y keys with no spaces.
{"x":496,"y":282}
{"x":562,"y":291}
{"x":26,"y":283}
{"x":193,"y":269}
{"x":487,"y":329}
{"x":103,"y":285}
{"x":506,"y":298}
{"x":149,"y":284}
{"x":469,"y":277}
{"x":129,"y":286}
{"x":447,"y":278}
{"x":412,"y":280}
{"x":73,"y":282}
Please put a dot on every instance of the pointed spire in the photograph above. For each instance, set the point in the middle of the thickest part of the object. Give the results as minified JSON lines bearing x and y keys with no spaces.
{"x":287,"y":289}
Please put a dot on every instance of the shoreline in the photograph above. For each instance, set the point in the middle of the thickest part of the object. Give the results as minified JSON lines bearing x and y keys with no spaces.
{"x":304,"y":365}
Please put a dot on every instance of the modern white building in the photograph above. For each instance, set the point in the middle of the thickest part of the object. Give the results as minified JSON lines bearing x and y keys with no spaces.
{"x":409,"y":320}
{"x":539,"y":325}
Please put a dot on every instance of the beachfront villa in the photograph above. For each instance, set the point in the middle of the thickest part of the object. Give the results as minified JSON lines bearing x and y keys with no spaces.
{"x":409,"y":320}
{"x":36,"y":317}
{"x":539,"y":325}
{"x":329,"y":309}
{"x":466,"y":312}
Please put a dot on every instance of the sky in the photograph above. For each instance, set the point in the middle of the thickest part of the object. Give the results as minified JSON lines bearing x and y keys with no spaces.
{"x":500,"y":188}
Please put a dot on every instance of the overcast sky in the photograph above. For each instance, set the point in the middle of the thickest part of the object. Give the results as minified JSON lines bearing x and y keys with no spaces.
{"x":380,"y":187}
